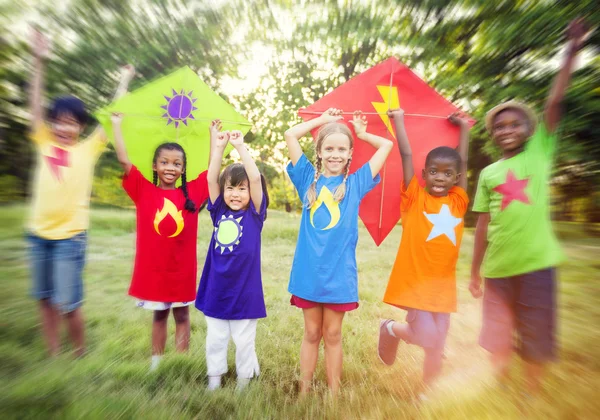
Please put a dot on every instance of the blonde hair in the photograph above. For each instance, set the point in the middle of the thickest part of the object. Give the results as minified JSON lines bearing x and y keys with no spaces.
{"x":324,"y":131}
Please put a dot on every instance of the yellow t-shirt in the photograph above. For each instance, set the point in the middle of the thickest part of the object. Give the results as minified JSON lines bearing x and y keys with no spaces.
{"x":62,"y":184}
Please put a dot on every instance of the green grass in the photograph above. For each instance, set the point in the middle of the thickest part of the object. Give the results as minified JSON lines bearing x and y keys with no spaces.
{"x":112,"y":381}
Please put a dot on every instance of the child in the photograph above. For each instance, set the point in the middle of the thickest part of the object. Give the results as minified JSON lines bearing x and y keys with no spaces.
{"x":514,"y":231}
{"x":323,"y":281}
{"x":423,"y":280}
{"x":164,"y":274}
{"x":59,"y":219}
{"x":230,"y":292}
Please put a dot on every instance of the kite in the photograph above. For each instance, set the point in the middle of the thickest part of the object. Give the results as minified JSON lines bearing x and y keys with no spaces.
{"x":177,"y":108}
{"x":388,"y":85}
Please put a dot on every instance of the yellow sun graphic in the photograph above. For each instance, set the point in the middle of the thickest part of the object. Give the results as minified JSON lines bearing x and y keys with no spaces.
{"x":228,"y":233}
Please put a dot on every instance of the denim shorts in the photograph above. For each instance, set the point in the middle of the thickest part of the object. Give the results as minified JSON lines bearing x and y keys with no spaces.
{"x":520,"y":313}
{"x":56,"y":270}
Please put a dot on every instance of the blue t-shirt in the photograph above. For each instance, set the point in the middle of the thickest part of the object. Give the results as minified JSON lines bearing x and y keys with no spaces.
{"x":324,"y":268}
{"x":231,"y":284}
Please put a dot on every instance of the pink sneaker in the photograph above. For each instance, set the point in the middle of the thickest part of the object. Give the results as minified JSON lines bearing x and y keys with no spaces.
{"x":388,"y":344}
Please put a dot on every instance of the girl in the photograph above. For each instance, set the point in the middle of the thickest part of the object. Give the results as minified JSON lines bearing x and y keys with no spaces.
{"x":323,"y":281}
{"x":164,"y":275}
{"x":230,"y":293}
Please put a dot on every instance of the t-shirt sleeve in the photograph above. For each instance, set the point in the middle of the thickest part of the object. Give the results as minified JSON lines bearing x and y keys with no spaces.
{"x":262,"y":213}
{"x":217,"y":208}
{"x":134,"y":183}
{"x":408,"y":194}
{"x":459,"y":199}
{"x":481,"y":203}
{"x":364,"y":180}
{"x":302,"y":175}
{"x":542,"y":143}
{"x":198,"y":189}
{"x":40,"y":134}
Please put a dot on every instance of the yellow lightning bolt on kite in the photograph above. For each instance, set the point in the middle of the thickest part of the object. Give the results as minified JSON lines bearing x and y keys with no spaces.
{"x":390,"y":101}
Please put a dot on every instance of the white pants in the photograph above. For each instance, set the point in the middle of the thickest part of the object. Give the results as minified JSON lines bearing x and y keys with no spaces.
{"x":243,"y":332}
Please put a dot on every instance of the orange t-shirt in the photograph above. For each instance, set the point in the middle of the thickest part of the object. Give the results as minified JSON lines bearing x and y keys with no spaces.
{"x":424,"y":273}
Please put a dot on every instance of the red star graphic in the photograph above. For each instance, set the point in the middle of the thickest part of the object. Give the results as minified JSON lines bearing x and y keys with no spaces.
{"x":60,"y":158}
{"x":513,"y":189}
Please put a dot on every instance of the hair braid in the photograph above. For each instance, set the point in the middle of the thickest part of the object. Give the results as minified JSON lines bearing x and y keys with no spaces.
{"x":311,"y":193}
{"x":189,"y":204}
{"x":340,"y":191}
{"x":154,"y":177}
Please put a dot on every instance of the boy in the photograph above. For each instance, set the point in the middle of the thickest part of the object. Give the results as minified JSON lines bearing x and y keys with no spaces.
{"x":60,"y":204}
{"x":515,"y":234}
{"x":423,"y":280}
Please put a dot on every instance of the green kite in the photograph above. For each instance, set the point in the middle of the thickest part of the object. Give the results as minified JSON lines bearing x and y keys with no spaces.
{"x":175,"y":108}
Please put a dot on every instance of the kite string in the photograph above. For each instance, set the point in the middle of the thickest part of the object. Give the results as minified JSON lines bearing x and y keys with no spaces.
{"x":303,"y":111}
{"x":125,"y":114}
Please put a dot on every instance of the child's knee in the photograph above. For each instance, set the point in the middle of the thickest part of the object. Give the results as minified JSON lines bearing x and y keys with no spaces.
{"x":181,"y":315}
{"x":313,"y":335}
{"x":332,"y":336}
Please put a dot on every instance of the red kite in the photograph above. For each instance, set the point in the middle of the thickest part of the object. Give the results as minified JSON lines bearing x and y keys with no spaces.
{"x":390,"y":85}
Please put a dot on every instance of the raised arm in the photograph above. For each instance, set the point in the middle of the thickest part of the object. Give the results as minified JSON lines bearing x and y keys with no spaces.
{"x":39,"y":46}
{"x":383,"y":146}
{"x":236,"y":138}
{"x":295,"y":133}
{"x":120,"y":148}
{"x":479,"y":249}
{"x":408,"y":170}
{"x":463,"y":147}
{"x":576,"y":34}
{"x":127,"y":73}
{"x":218,"y":141}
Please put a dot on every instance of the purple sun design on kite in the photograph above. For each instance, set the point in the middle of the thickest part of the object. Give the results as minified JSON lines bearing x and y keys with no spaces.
{"x":179,"y":107}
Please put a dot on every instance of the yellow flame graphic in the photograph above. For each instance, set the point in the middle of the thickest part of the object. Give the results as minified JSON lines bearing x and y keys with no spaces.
{"x":390,"y":101}
{"x":169,"y":208}
{"x":325,"y":197}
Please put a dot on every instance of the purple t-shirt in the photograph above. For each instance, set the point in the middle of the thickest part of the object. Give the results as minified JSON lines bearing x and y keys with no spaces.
{"x":231,"y":284}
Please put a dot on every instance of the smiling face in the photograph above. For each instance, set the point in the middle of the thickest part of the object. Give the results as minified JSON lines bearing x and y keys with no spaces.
{"x":440,"y":174}
{"x":169,"y":165}
{"x":237,"y":197}
{"x":66,"y":129}
{"x":335,"y":152}
{"x":510,"y":130}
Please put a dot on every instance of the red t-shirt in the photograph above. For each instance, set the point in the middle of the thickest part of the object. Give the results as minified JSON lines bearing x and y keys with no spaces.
{"x":165,"y":257}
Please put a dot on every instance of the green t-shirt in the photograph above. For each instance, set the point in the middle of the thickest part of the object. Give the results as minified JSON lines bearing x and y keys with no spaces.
{"x":515,"y":193}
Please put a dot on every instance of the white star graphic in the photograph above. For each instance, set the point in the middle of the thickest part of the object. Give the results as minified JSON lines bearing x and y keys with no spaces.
{"x":443,"y":224}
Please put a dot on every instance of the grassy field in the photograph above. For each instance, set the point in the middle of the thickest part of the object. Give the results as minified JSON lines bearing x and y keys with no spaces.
{"x":112,"y":381}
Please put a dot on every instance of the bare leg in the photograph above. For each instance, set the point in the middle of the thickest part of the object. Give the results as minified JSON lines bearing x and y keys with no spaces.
{"x":533,"y":377}
{"x":182,"y":328}
{"x":501,"y":364}
{"x":159,"y":332}
{"x":332,"y":335}
{"x":309,"y":350}
{"x":50,"y":326}
{"x":76,"y":327}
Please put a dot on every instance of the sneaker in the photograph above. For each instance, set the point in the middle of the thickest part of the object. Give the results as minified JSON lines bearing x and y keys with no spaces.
{"x":242,"y":383}
{"x":388,"y":344}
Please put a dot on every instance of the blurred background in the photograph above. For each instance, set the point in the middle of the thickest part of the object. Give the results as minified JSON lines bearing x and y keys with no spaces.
{"x":269,"y":58}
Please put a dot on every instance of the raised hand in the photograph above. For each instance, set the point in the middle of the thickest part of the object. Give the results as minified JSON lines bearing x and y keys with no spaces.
{"x":332,"y":115}
{"x":458,"y":119}
{"x":116,"y":118}
{"x":40,"y":45}
{"x":359,"y":121}
{"x":236,"y":138}
{"x":395,"y":113}
{"x":577,"y":33}
{"x":215,"y":128}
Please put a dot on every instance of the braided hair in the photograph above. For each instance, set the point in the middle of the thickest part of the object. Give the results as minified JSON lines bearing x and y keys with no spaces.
{"x":189,"y":203}
{"x":340,"y":191}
